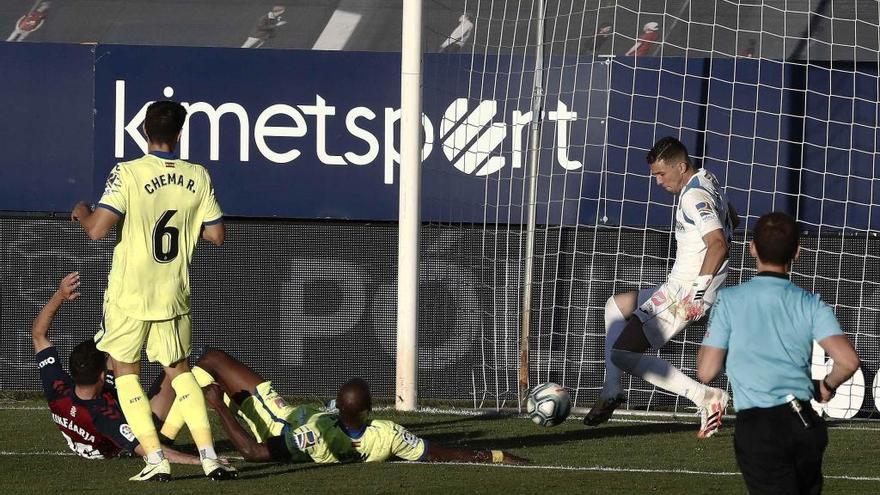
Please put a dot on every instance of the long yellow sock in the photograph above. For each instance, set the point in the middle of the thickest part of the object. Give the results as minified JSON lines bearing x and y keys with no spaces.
{"x":137,"y":412}
{"x":191,"y":402}
{"x":174,"y":419}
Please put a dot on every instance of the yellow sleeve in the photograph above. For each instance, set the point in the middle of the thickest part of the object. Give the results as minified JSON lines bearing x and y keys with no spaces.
{"x":407,"y":446}
{"x":115,"y":197}
{"x":211,"y":212}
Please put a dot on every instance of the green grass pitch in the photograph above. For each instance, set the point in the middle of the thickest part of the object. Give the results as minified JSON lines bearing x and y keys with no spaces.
{"x":624,"y":456}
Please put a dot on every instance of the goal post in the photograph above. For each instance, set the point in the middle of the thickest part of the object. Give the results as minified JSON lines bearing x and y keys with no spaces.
{"x":406,"y":383}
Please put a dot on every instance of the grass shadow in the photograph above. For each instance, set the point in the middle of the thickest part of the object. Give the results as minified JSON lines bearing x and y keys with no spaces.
{"x":557,"y":437}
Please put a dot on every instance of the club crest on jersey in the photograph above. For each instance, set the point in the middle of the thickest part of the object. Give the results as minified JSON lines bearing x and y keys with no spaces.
{"x":72,"y":411}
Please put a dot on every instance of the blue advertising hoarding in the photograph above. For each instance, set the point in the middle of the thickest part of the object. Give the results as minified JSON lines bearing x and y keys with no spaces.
{"x":312,"y":135}
{"x":46,"y":93}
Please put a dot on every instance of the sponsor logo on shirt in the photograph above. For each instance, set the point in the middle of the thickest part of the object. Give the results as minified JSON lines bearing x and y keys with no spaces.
{"x":705,"y":210}
{"x":47,"y":361}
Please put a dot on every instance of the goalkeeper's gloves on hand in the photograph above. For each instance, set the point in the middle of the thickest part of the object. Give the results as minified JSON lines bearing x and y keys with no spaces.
{"x":694,"y":305}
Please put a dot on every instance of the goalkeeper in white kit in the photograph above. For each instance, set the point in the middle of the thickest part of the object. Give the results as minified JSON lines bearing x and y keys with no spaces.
{"x":704,"y":221}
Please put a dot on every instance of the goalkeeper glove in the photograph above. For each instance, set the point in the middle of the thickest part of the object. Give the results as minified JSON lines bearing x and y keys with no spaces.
{"x":694,"y":305}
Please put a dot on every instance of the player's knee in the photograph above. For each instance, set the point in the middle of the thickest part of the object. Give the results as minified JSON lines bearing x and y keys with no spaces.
{"x":212,"y":358}
{"x":625,"y":360}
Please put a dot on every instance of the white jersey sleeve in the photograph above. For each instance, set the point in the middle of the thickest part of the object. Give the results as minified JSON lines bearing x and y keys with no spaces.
{"x":702,"y":208}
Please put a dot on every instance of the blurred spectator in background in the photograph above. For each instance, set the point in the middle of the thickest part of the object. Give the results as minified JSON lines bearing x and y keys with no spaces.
{"x":460,"y":35}
{"x":265,"y":28}
{"x":646,"y":42}
{"x":30,"y":22}
{"x":750,"y":49}
{"x":603,"y":34}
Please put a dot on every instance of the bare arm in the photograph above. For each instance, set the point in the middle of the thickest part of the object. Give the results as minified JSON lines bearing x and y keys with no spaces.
{"x":846,"y":362}
{"x":437,"y":453}
{"x":96,"y":223}
{"x":250,"y":449}
{"x":710,"y":360}
{"x":716,"y":252}
{"x":40,"y":328}
{"x":215,"y":234}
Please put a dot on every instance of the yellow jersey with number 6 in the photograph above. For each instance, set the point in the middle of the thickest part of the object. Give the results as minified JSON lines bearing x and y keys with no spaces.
{"x":163,"y":202}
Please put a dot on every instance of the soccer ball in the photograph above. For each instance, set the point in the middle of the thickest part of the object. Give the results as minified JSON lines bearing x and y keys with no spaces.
{"x":548,"y":404}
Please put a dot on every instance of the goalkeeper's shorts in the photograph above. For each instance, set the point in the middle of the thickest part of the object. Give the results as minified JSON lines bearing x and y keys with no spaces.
{"x":168,"y":341}
{"x":661,"y":312}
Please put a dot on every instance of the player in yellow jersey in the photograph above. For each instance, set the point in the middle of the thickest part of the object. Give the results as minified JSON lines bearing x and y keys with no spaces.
{"x":162,"y":205}
{"x":307,"y":433}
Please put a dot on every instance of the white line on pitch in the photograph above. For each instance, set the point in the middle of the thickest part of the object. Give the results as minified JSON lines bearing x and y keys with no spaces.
{"x":36,"y":452}
{"x":337,"y":31}
{"x":605,"y":469}
{"x":631,"y":470}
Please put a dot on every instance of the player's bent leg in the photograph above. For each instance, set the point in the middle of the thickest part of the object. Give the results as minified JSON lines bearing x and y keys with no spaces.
{"x":236,"y":379}
{"x":618,"y":309}
{"x":612,"y":397}
{"x":191,"y":402}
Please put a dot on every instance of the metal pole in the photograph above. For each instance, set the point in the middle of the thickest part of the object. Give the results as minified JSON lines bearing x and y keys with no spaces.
{"x":409,"y":197}
{"x":534,"y":157}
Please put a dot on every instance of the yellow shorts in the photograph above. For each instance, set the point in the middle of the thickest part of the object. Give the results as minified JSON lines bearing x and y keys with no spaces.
{"x":266,"y":413}
{"x":168,"y":341}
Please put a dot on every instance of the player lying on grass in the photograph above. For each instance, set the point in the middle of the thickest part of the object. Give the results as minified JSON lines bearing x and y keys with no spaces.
{"x":280,"y":432}
{"x":84,"y":403}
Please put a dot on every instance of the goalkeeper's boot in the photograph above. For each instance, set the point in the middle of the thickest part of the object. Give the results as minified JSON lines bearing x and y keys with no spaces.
{"x":712,"y":411}
{"x":218,"y":472}
{"x":603,"y":409}
{"x":154,"y":472}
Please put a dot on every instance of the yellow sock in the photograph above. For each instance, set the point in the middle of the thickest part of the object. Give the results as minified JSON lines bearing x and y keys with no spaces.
{"x":174,"y":420}
{"x":191,"y":401}
{"x":202,"y":377}
{"x":136,"y":408}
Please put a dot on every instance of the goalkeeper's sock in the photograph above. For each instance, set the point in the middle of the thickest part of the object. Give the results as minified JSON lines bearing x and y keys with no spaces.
{"x":174,"y":420}
{"x":136,"y":408}
{"x":191,"y":401}
{"x":660,"y":373}
{"x":614,"y":325}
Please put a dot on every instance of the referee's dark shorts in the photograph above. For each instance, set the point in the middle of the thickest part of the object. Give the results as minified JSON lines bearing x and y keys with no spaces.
{"x":776,"y":453}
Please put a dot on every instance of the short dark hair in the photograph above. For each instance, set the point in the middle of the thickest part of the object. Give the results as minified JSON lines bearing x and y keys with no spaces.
{"x":669,"y":148}
{"x":87,"y":363}
{"x":164,"y":121}
{"x":776,"y":238}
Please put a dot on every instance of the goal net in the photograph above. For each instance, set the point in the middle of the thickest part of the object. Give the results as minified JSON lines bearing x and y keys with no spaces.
{"x":777,"y":99}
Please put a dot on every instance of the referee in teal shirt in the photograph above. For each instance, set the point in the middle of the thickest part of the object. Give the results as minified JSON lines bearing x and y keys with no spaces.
{"x":765,"y":329}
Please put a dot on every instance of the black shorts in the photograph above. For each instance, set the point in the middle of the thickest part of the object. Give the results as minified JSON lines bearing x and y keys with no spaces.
{"x":776,"y":454}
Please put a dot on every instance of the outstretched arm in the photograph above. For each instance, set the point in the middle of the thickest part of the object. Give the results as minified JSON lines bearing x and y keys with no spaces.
{"x":438,"y":453}
{"x":40,"y":328}
{"x":250,"y":449}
